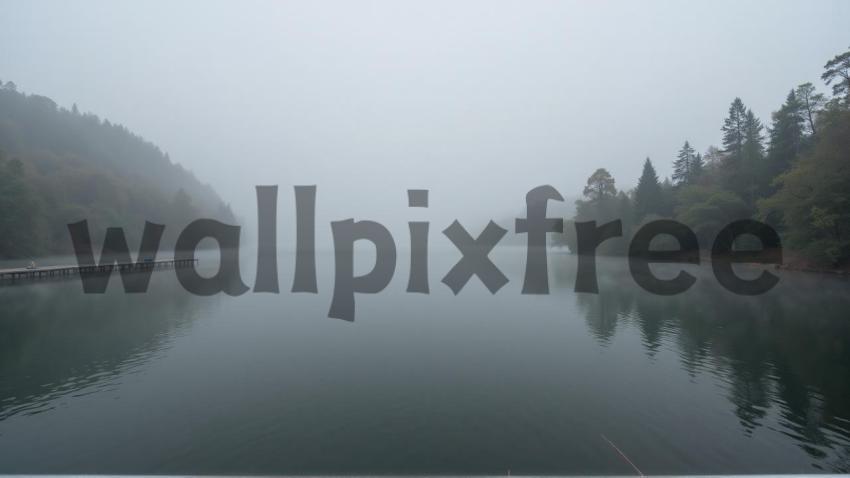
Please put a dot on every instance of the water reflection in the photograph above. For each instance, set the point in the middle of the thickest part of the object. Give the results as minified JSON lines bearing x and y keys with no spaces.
{"x":788,"y":349}
{"x":166,"y":382}
{"x":56,"y":341}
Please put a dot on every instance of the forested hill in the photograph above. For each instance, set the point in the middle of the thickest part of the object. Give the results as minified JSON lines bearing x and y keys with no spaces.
{"x":793,"y":175}
{"x":58,"y":166}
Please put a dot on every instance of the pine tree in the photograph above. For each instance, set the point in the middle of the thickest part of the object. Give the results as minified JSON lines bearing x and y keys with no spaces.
{"x":785,"y":135}
{"x":811,"y":104}
{"x":752,"y":156}
{"x":648,"y":195}
{"x":742,"y":143}
{"x":753,"y":138}
{"x":838,"y":70}
{"x":697,"y":168}
{"x":734,"y":128}
{"x":682,"y":165}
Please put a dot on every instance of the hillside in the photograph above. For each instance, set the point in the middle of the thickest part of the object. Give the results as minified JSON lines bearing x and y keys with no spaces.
{"x":59,"y":166}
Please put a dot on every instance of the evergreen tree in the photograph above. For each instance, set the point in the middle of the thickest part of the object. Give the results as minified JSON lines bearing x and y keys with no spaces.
{"x":697,"y":167}
{"x":786,"y":135}
{"x":682,"y":165}
{"x":648,"y":195}
{"x":813,"y":195}
{"x":734,"y":128}
{"x":838,"y":71}
{"x":752,"y":171}
{"x":753,"y":137}
{"x":742,"y":143}
{"x":801,"y":167}
{"x":811,"y":103}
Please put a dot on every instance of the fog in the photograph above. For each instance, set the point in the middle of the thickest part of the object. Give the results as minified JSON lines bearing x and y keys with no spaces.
{"x":476,"y":101}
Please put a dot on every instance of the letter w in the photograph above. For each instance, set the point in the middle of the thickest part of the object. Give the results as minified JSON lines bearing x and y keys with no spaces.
{"x":95,"y":277}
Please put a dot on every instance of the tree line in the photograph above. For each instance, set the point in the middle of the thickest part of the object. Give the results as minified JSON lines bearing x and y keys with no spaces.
{"x":59,"y":166}
{"x":793,"y":175}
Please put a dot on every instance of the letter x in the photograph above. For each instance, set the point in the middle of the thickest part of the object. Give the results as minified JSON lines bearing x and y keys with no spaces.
{"x":475,"y":260}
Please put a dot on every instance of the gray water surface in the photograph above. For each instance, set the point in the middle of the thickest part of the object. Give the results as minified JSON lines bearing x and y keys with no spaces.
{"x":167,"y":382}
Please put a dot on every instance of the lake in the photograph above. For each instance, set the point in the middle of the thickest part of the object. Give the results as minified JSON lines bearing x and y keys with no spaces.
{"x":565,"y":383}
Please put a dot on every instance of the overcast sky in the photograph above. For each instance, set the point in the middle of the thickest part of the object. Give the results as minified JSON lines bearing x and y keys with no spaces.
{"x":477,"y":101}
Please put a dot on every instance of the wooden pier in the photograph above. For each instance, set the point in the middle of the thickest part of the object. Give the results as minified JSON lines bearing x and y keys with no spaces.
{"x":54,"y":272}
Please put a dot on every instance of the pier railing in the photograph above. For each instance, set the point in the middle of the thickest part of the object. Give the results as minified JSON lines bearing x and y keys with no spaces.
{"x":48,"y":272}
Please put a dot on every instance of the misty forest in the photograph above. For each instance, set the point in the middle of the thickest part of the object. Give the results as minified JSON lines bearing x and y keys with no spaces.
{"x":557,"y":238}
{"x":793,"y":174}
{"x":59,"y":166}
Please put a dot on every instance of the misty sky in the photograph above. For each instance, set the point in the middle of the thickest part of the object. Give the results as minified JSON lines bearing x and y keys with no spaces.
{"x":477,"y":101}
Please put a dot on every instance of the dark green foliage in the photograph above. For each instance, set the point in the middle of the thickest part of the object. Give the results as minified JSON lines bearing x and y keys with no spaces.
{"x":683,"y":165}
{"x":811,"y":103}
{"x":837,"y":74}
{"x":706,"y":210}
{"x":800,"y":185}
{"x":734,"y":135}
{"x":786,"y":136}
{"x":753,"y":137}
{"x":75,"y":166}
{"x":814,"y":195}
{"x":19,"y":229}
{"x":602,"y":204}
{"x":668,"y":198}
{"x":648,"y":195}
{"x":600,"y":194}
{"x":742,"y":165}
{"x":600,"y":185}
{"x":734,"y":128}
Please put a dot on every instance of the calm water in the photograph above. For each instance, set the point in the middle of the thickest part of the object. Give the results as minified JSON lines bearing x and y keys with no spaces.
{"x":165,"y":382}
